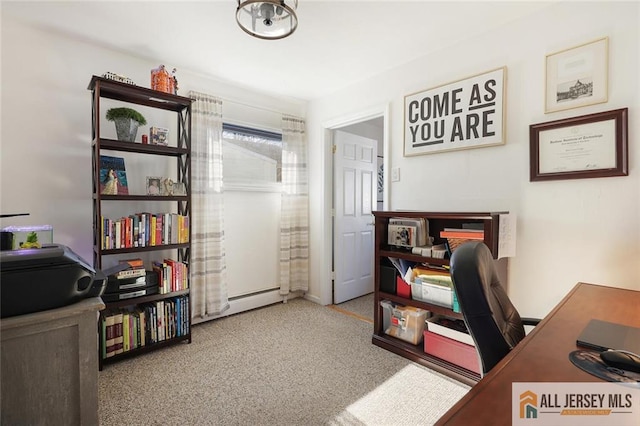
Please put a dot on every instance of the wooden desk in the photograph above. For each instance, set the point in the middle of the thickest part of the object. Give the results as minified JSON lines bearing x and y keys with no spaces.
{"x":543,"y":356}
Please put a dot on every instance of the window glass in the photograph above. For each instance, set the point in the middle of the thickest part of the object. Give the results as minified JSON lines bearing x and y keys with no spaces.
{"x":251,"y":157}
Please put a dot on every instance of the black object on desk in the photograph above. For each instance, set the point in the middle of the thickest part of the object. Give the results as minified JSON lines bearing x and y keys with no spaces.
{"x":623,"y":360}
{"x":50,"y":277}
{"x":603,"y":335}
{"x":590,"y":362}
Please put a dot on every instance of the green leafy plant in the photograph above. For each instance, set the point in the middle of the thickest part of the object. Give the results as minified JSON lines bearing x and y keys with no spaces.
{"x":32,"y":241}
{"x":114,"y":113}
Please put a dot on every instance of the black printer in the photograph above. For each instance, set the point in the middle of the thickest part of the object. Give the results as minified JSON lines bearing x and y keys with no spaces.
{"x":33,"y":280}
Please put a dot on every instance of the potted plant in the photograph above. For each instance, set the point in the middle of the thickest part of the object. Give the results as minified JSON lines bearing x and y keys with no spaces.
{"x":127,"y":121}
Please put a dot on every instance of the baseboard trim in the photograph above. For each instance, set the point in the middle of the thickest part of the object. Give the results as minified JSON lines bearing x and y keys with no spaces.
{"x":247,"y":303}
{"x":312,"y":298}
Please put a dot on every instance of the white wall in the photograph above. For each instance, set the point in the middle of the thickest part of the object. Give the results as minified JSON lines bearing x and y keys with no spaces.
{"x":567,"y":231}
{"x":46,"y":143}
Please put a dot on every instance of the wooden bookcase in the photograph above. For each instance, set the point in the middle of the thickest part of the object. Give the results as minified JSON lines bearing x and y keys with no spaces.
{"x":437,"y":222}
{"x":180,"y":149}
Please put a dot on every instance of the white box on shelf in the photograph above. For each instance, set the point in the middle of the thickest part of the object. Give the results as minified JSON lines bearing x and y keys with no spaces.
{"x":441,"y":329}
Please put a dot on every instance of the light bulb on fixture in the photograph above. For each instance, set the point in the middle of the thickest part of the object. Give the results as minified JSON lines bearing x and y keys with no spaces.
{"x":267,"y":19}
{"x":266,"y":12}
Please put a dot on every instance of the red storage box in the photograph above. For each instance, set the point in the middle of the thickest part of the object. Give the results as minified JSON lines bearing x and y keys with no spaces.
{"x":402,"y":288}
{"x":450,"y":350}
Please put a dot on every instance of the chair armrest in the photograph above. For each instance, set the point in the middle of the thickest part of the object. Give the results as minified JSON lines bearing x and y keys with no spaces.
{"x":530,"y":321}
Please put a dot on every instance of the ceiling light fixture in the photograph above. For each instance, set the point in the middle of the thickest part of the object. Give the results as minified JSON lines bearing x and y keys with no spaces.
{"x":268,"y":20}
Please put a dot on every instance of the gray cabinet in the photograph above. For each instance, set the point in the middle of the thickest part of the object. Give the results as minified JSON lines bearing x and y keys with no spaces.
{"x":49,"y":366}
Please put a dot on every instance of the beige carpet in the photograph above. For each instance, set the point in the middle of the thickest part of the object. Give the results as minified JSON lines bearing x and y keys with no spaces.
{"x":360,"y":306}
{"x":297,"y":363}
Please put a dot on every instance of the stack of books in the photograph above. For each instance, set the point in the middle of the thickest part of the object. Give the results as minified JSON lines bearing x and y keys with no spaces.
{"x":458,"y":236}
{"x":407,"y":232}
{"x":132,"y":282}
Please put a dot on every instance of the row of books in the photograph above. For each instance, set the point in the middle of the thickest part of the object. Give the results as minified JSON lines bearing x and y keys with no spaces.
{"x":172,"y":275}
{"x":144,"y":229}
{"x":131,"y":328}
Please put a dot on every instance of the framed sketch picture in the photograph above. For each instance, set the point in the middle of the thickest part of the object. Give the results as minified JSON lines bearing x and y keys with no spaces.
{"x":577,"y":77}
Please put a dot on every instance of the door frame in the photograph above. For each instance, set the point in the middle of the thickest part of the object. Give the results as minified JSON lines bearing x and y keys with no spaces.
{"x":326,"y":287}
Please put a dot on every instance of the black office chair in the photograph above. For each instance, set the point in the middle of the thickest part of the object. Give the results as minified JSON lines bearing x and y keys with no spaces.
{"x":492,"y":320}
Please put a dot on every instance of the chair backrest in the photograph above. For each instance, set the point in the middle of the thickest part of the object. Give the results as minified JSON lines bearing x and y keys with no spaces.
{"x":491,"y":318}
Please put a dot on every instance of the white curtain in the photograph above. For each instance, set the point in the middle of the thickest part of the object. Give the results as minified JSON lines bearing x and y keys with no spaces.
{"x":207,"y":265}
{"x":294,"y":223}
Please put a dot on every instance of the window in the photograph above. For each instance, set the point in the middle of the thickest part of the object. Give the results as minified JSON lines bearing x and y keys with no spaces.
{"x":252,"y":158}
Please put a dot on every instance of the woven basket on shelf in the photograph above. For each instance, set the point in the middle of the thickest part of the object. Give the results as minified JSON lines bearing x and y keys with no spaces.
{"x":454,"y":243}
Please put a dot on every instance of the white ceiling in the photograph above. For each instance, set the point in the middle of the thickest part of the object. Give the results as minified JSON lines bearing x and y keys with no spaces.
{"x":337,"y":43}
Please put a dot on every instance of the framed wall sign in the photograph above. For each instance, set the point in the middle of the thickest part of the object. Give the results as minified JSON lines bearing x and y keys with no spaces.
{"x":468,"y":113}
{"x":589,"y":146}
{"x":577,"y":76}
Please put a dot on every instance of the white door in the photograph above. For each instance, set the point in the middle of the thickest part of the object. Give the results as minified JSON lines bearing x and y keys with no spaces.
{"x":355,"y":190}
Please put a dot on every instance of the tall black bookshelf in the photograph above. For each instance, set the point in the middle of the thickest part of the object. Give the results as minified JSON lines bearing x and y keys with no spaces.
{"x":180,"y":149}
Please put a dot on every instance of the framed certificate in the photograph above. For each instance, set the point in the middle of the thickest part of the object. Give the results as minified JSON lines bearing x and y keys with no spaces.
{"x":588,"y":146}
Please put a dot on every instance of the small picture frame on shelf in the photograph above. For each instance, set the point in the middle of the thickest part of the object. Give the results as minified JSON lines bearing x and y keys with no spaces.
{"x":154,"y":185}
{"x":167,"y":187}
{"x":179,"y":189}
{"x":158,"y":136}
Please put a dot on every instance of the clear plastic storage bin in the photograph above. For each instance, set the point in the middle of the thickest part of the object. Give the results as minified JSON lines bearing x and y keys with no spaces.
{"x":403,"y":322}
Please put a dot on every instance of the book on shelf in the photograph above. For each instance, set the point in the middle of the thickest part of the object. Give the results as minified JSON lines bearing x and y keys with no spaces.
{"x":133,"y":262}
{"x":113,"y":176}
{"x":479,"y":226}
{"x":127,"y":330}
{"x":160,"y":320}
{"x":158,"y":230}
{"x":131,"y":273}
{"x":142,"y":327}
{"x":153,"y":322}
{"x":110,"y":335}
{"x":135,"y":344}
{"x":467,"y":234}
{"x":408,"y":232}
{"x":118,"y":332}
